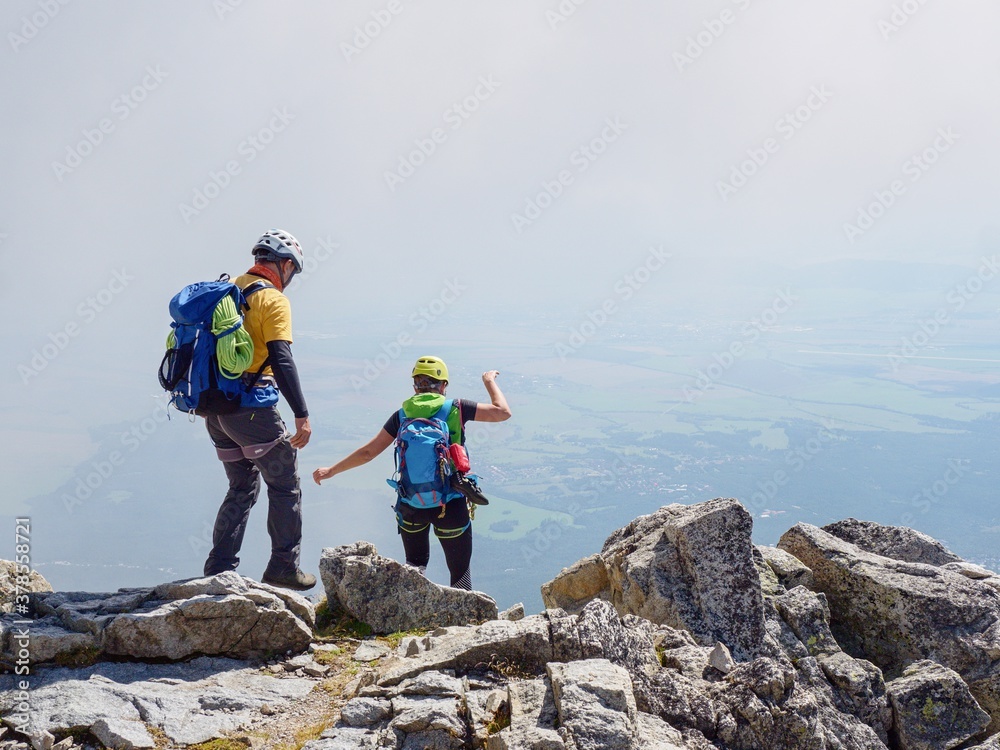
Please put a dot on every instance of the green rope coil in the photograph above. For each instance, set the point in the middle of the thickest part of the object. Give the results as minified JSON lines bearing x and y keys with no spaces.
{"x":233,"y":351}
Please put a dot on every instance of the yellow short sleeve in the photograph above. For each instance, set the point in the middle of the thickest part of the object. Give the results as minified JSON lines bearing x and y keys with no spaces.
{"x":268,"y":319}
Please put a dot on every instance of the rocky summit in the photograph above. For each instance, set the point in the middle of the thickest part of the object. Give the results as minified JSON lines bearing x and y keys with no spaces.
{"x":679,"y":633}
{"x":390,"y":596}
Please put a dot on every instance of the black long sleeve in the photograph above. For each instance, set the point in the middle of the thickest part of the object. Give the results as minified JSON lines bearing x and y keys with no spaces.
{"x":287,"y":376}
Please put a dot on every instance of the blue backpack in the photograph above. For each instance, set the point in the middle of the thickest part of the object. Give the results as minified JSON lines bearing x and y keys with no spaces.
{"x":190,"y":370}
{"x":423,"y":467}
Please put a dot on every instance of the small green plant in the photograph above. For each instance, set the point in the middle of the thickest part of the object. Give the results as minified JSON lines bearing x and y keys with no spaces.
{"x":223,"y":743}
{"x":330,"y":685}
{"x":84,"y":656}
{"x":160,"y":738}
{"x":328,"y":658}
{"x":338,"y":624}
{"x":500,"y":720}
{"x":306,"y":734}
{"x":394,"y":639}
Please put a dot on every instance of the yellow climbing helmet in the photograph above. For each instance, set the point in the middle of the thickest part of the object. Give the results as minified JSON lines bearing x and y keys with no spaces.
{"x":433,"y":367}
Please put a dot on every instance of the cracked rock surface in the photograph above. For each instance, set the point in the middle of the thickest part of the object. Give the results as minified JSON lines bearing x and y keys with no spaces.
{"x":223,"y":615}
{"x":190,"y":703}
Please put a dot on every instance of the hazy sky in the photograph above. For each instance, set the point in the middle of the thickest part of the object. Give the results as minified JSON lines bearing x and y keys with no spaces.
{"x":531,"y":149}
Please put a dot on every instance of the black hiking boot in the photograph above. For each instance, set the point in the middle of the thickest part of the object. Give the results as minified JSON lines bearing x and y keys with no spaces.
{"x":297,"y":580}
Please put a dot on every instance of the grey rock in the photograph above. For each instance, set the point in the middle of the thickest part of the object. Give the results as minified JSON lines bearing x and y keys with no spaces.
{"x":677,"y":693}
{"x":63,"y":744}
{"x":350,"y":738}
{"x":428,"y":722}
{"x":894,"y":613}
{"x":533,"y":716}
{"x":532,"y":703}
{"x":513,"y":612}
{"x":779,"y":631}
{"x":970,"y":570}
{"x":898,"y":542}
{"x":528,"y":738}
{"x":297,"y":662}
{"x":230,"y":582}
{"x":433,"y":740}
{"x":564,"y":638}
{"x":770,"y":585}
{"x":525,"y":643}
{"x":9,"y":585}
{"x":390,"y":596}
{"x":225,"y":615}
{"x":993,"y":743}
{"x":655,"y":734}
{"x":625,"y":641}
{"x":859,"y":689}
{"x":721,"y":659}
{"x":666,"y":637}
{"x":808,"y":615}
{"x":50,"y":642}
{"x":595,"y":704}
{"x":412,"y":645}
{"x":364,"y":679}
{"x":768,"y":703}
{"x":484,"y":711}
{"x":433,"y":683}
{"x":692,"y":661}
{"x":42,"y":740}
{"x":584,"y":580}
{"x":528,"y":645}
{"x":122,"y":735}
{"x":689,"y":567}
{"x":371,"y":651}
{"x":789,"y":570}
{"x":230,"y":625}
{"x":365,"y":712}
{"x":189,"y":702}
{"x":933,"y":708}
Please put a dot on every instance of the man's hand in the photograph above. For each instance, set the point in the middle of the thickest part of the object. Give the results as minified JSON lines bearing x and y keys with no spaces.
{"x":490,"y":376}
{"x":302,"y":433}
{"x":322,"y":473}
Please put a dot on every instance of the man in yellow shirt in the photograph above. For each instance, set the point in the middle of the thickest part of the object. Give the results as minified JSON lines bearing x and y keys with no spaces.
{"x":253,"y":442}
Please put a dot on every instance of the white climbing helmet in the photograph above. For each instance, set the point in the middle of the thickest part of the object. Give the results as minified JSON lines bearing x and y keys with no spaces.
{"x":280,"y":244}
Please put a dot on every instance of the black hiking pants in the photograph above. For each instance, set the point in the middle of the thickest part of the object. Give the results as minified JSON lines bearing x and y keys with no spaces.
{"x":253,"y":443}
{"x":453,"y":529}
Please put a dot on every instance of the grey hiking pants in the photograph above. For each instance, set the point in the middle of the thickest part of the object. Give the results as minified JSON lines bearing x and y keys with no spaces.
{"x":252,"y":443}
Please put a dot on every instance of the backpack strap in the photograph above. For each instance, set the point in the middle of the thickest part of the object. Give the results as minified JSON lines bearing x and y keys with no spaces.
{"x":252,"y":289}
{"x":445,"y":410}
{"x":443,"y":413}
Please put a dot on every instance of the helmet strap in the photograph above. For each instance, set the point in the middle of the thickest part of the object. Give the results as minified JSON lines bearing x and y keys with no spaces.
{"x":291,"y":275}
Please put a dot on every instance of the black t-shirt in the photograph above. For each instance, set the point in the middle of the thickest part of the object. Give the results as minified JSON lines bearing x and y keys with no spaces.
{"x":466,"y":407}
